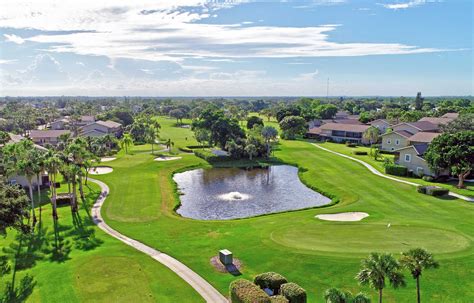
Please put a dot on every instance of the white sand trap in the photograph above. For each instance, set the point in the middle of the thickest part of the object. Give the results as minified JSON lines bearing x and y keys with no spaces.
{"x":100,"y":170}
{"x":166,"y":158}
{"x":349,"y":217}
{"x":107,"y":159}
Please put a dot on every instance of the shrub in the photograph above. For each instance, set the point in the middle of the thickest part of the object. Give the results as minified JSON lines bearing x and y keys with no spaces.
{"x":396,"y":170}
{"x":421,"y":189}
{"x":436,"y":191}
{"x":360,"y":153}
{"x":278,"y":299}
{"x":270,"y":280}
{"x":293,"y":292}
{"x":210,"y":157}
{"x":350,"y":144}
{"x":244,"y":291}
{"x":198,"y":146}
{"x":428,"y":178}
{"x":185,"y":149}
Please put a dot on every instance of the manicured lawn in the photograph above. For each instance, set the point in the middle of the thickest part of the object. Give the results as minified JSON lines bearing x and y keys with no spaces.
{"x":343,"y":149}
{"x":93,"y":267}
{"x":313,"y":253}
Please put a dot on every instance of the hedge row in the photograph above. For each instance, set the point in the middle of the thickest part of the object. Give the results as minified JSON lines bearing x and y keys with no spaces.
{"x":360,"y":153}
{"x":279,"y":299}
{"x":396,"y":170}
{"x":244,"y":291}
{"x":432,"y":190}
{"x":198,"y":146}
{"x":185,"y":149}
{"x":210,"y":157}
{"x":293,"y":292}
{"x":270,"y":280}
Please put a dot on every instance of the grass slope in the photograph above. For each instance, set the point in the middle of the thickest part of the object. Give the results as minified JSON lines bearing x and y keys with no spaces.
{"x":93,"y":267}
{"x":313,"y":253}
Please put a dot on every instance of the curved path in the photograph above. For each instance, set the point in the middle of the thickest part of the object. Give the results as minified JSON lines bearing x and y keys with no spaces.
{"x":378,"y":173}
{"x":206,"y":290}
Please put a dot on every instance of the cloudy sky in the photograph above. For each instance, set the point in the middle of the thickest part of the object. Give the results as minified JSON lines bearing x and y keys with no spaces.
{"x":236,"y":48}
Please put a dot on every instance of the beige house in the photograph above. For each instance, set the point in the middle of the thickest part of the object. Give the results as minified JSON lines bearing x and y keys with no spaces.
{"x":412,"y":158}
{"x":395,"y":140}
{"x":101,"y":128}
{"x":42,"y":137}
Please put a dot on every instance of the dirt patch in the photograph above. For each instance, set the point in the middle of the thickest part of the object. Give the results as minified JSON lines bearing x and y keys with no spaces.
{"x":234,"y":269}
{"x":346,"y":217}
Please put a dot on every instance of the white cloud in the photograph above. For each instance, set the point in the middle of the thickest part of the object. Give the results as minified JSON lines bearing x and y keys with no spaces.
{"x":407,"y":4}
{"x":308,"y":76}
{"x":80,"y":63}
{"x":3,"y":61}
{"x":167,"y":30}
{"x":14,"y":38}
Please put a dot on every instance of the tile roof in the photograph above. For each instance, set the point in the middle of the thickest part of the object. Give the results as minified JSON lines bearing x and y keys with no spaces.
{"x":403,"y":133}
{"x":426,"y":137}
{"x":345,"y":127}
{"x":47,"y":133}
{"x":450,"y":115}
{"x":421,"y":125}
{"x":436,"y":120}
{"x":109,"y":124}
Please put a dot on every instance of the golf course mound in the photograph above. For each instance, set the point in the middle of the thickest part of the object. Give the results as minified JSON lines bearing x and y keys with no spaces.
{"x":100,"y":170}
{"x":365,"y":238}
{"x":346,"y":217}
{"x":166,"y":158}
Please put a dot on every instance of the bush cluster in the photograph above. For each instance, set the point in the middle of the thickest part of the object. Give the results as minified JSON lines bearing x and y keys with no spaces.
{"x":270,"y":280}
{"x":279,"y":299}
{"x":428,"y":178}
{"x":210,"y":157}
{"x":185,"y":149}
{"x":198,"y":146}
{"x":396,"y":170}
{"x":360,"y":153}
{"x":244,"y":291}
{"x":293,"y":292}
{"x":350,"y":144}
{"x":432,"y":191}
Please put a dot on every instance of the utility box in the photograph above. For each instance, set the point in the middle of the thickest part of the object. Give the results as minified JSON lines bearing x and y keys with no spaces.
{"x":225,"y":256}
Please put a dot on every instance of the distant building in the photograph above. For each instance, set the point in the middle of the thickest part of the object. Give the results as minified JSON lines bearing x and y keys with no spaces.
{"x":437,"y":121}
{"x":101,"y":128}
{"x":59,"y":124}
{"x":339,"y":132}
{"x":415,"y":127}
{"x":381,"y":124}
{"x":42,"y":137}
{"x":450,"y":115}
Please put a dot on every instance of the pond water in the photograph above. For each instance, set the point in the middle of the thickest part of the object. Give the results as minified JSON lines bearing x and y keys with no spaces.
{"x":231,"y":193}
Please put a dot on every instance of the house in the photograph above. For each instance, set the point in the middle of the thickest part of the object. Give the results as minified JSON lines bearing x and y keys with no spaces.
{"x":101,"y":128}
{"x":422,"y":138}
{"x":85,"y":120}
{"x":42,"y":137}
{"x":22,"y":180}
{"x":59,"y":124}
{"x":381,"y":124}
{"x":412,"y":158}
{"x":436,"y":120}
{"x":414,"y":127}
{"x":395,"y":140}
{"x":453,"y":116}
{"x":339,"y":132}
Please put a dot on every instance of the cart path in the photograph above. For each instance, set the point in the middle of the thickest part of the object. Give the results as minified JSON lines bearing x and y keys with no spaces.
{"x":378,"y":173}
{"x":206,"y":290}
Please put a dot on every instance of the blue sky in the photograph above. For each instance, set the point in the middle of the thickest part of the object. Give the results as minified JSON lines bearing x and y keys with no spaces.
{"x":236,"y":48}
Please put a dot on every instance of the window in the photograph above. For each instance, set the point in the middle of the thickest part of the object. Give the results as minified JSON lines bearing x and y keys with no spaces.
{"x":388,"y":141}
{"x":407,"y":158}
{"x":397,"y":142}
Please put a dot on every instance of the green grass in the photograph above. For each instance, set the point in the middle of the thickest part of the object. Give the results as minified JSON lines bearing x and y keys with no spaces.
{"x":315,"y":254}
{"x":343,"y":149}
{"x":93,"y":266}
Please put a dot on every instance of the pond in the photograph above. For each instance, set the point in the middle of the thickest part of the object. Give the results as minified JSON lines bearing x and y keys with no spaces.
{"x":231,"y":193}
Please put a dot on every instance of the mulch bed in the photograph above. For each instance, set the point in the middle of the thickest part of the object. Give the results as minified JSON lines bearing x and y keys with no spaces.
{"x":233,"y":269}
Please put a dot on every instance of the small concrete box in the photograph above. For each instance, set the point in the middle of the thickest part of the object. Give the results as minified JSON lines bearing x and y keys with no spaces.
{"x":225,"y":256}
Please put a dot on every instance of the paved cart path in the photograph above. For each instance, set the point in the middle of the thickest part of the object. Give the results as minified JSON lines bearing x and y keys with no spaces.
{"x":378,"y":173}
{"x":206,"y":290}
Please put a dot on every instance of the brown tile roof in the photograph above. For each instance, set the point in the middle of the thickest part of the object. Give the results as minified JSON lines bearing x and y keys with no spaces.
{"x":421,"y":125}
{"x":87,"y":118}
{"x":345,"y":127}
{"x":402,"y":133}
{"x":450,"y":115}
{"x":47,"y":133}
{"x":436,"y":120}
{"x":426,"y":137}
{"x":315,"y":131}
{"x":109,"y":124}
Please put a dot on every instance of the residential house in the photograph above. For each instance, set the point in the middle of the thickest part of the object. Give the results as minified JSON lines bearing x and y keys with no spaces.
{"x":42,"y":137}
{"x":101,"y":128}
{"x":415,"y":127}
{"x":412,"y":158}
{"x":450,"y":115}
{"x":436,"y":120}
{"x":59,"y":124}
{"x":381,"y":124}
{"x":339,"y":132}
{"x":422,"y":138}
{"x":395,"y":140}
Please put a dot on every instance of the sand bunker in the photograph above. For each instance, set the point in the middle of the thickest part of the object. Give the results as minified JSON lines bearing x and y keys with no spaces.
{"x":107,"y":159}
{"x":349,"y":217}
{"x":166,"y":158}
{"x":100,"y":170}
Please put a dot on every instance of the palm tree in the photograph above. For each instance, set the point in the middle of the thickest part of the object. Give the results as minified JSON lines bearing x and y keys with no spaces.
{"x":371,"y":134}
{"x":415,"y":260}
{"x":53,"y":163}
{"x":126,"y":142}
{"x":376,"y":268}
{"x":269,"y":133}
{"x":152,"y":135}
{"x":39,"y":168}
{"x":251,"y":150}
{"x":334,"y":295}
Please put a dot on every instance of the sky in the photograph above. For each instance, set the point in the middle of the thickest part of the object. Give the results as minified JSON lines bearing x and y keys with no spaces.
{"x":236,"y":48}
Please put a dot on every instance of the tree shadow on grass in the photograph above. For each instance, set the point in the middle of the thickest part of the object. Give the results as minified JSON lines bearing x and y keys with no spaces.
{"x":83,"y":233}
{"x":21,"y":292}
